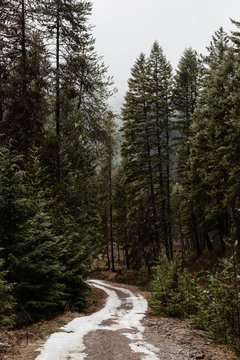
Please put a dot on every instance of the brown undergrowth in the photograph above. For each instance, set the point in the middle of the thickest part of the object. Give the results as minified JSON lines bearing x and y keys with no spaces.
{"x":22,"y":344}
{"x":140,"y":278}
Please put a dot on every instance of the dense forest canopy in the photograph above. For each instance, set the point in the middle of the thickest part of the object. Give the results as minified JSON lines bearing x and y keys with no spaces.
{"x":180,"y":151}
{"x":179,"y":181}
{"x":64,"y":196}
{"x":55,"y":128}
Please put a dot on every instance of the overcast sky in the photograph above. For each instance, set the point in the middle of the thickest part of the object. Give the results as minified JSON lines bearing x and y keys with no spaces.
{"x":125,"y":28}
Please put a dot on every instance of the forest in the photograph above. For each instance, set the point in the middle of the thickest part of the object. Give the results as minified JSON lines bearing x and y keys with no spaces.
{"x":164,"y":188}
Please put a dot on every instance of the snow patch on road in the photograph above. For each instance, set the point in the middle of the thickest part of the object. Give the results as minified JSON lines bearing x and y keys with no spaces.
{"x":68,"y":344}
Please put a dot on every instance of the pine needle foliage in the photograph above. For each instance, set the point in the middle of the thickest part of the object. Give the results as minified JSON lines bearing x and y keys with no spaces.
{"x":211,"y":302}
{"x":173,"y":290}
{"x":53,"y":101}
{"x":7,"y":303}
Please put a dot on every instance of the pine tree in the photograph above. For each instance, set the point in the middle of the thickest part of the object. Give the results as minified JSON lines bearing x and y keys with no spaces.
{"x":105,"y":180}
{"x":136,"y":151}
{"x":207,"y":167}
{"x":14,"y":213}
{"x":185,"y":94}
{"x":232,"y":121}
{"x":120,"y":212}
{"x":49,"y":229}
{"x":186,"y":87}
{"x":24,"y":70}
{"x":65,"y":24}
{"x":30,"y":247}
{"x":146,"y":150}
{"x":160,"y":91}
{"x":7,"y":303}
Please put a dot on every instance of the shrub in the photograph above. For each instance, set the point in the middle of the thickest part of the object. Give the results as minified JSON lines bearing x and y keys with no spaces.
{"x":6,"y":302}
{"x":173,"y":290}
{"x":214,"y":306}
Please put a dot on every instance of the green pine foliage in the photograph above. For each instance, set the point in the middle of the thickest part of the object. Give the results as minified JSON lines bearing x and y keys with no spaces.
{"x":36,"y":271}
{"x":14,"y":210}
{"x":25,"y":69}
{"x":141,"y":197}
{"x":29,"y":246}
{"x":211,"y":302}
{"x":75,"y":223}
{"x":173,"y":290}
{"x":206,"y":161}
{"x":105,"y":189}
{"x":7,"y":303}
{"x":62,"y":201}
{"x":53,"y":109}
{"x":197,"y":199}
{"x":185,"y":93}
{"x":146,"y":161}
{"x":120,"y":213}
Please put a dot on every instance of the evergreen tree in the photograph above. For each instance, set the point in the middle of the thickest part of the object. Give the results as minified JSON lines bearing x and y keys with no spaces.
{"x":14,"y":212}
{"x":7,"y":303}
{"x":209,"y":145}
{"x":186,"y":87}
{"x":136,"y":151}
{"x":48,"y":228}
{"x":24,"y":71}
{"x":120,"y":212}
{"x":231,"y":155}
{"x":185,"y":94}
{"x":65,"y":24}
{"x":30,"y":248}
{"x":146,"y":153}
{"x":105,"y":180}
{"x":75,"y":221}
{"x":160,"y":92}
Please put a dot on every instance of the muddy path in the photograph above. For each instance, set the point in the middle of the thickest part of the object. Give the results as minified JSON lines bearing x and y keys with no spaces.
{"x":123,"y":329}
{"x":114,"y":332}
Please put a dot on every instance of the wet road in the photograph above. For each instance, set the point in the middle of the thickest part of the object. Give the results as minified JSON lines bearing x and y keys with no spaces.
{"x":114,"y":332}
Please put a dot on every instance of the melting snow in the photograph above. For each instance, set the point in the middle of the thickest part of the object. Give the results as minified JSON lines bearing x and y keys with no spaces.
{"x":68,"y":344}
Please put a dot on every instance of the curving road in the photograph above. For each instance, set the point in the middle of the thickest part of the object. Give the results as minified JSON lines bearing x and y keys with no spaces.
{"x":115,"y":332}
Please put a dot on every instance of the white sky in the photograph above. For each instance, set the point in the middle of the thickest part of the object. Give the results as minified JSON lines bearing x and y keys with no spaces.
{"x":125,"y":28}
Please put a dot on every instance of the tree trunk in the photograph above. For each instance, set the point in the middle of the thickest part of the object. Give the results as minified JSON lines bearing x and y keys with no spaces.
{"x":23,"y":49}
{"x":127,"y":257}
{"x":236,"y":226}
{"x":195,"y":232}
{"x":1,"y":97}
{"x":119,"y":257}
{"x":162,"y":195}
{"x":221,"y":231}
{"x":161,"y":183}
{"x":156,"y":234}
{"x":169,"y":222}
{"x":153,"y":201}
{"x":126,"y":243}
{"x":111,"y":212}
{"x":57,"y":104}
{"x":108,"y":257}
{"x":208,"y":241}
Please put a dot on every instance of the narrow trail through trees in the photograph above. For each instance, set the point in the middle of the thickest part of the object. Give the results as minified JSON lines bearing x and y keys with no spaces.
{"x":123,"y":330}
{"x":114,"y":332}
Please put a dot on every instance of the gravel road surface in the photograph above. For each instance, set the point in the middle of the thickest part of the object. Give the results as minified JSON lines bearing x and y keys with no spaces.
{"x":123,"y":330}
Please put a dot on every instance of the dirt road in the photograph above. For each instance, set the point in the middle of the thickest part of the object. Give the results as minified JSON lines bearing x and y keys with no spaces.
{"x":121,"y":331}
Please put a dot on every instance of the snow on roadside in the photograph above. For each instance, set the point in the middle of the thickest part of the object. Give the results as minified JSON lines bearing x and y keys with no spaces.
{"x":68,"y":344}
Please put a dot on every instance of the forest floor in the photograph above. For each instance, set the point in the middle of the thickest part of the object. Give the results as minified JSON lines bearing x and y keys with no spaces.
{"x":22,"y":344}
{"x":166,"y":338}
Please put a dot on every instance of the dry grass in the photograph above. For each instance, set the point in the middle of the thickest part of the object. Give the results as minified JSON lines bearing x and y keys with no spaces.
{"x":22,"y":344}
